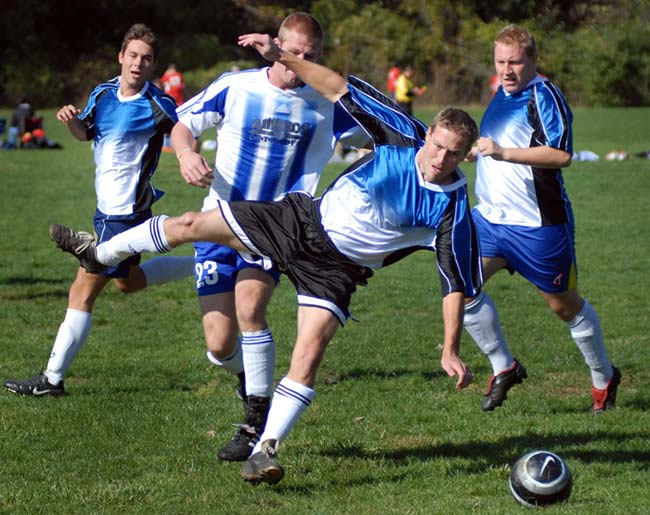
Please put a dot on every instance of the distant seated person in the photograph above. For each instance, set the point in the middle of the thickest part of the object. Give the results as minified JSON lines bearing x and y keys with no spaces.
{"x":23,"y":120}
{"x":37,"y":139}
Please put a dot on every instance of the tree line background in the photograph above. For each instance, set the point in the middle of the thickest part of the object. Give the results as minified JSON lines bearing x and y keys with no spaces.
{"x":597,"y":51}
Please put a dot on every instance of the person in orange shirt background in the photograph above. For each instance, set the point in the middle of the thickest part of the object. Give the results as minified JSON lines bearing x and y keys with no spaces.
{"x":173,"y":84}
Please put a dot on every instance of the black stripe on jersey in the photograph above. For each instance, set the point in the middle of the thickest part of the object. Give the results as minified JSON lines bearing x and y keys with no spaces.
{"x":89,"y":120}
{"x":562,"y":108}
{"x":548,"y":186}
{"x":145,"y":195}
{"x":379,"y":130}
{"x":451,"y":277}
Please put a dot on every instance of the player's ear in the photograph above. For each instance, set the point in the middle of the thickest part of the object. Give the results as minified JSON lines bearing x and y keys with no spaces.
{"x":120,"y":57}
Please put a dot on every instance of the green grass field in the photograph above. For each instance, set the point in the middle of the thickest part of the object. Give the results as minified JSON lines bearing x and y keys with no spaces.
{"x":145,"y":413}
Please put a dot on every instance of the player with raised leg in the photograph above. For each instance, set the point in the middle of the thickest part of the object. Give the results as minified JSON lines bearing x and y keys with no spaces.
{"x":407,"y":195}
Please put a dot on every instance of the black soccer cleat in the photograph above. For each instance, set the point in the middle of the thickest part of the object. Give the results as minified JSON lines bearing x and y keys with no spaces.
{"x":256,"y":411}
{"x":81,"y":245}
{"x":497,"y":390}
{"x":261,"y":467}
{"x":241,"y":446}
{"x":37,"y":386}
{"x":606,"y":399}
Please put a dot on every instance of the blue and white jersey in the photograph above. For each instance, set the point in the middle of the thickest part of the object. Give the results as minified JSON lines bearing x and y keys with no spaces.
{"x":269,"y":141}
{"x":127,"y":134}
{"x":381,"y":209}
{"x":517,"y":194}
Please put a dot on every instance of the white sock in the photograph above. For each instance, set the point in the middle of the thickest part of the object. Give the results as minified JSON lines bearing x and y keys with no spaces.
{"x":289,"y":402}
{"x":586,"y":332}
{"x":482,"y":323}
{"x":165,"y":269}
{"x":72,"y":334}
{"x":149,"y":236}
{"x":259,"y":362}
{"x":233,"y":363}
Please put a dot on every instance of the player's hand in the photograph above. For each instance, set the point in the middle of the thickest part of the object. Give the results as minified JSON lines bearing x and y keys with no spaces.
{"x":488,"y":148}
{"x":472,"y":155}
{"x":263,"y":43}
{"x":454,"y":366}
{"x":67,"y":113}
{"x":195,"y":169}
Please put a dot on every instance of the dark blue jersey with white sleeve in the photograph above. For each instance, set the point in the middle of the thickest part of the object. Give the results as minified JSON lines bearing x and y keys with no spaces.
{"x":381,"y":208}
{"x":127,"y":134}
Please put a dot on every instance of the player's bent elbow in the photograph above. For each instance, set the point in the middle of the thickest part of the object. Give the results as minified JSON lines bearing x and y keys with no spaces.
{"x":566,"y":161}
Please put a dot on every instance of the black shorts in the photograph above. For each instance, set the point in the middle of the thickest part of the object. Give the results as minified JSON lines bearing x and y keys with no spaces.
{"x":290,"y":233}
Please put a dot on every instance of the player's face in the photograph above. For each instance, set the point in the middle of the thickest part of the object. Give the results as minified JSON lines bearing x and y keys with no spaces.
{"x":514,"y":67}
{"x":138,"y":66}
{"x":301,"y":46}
{"x":442,"y":152}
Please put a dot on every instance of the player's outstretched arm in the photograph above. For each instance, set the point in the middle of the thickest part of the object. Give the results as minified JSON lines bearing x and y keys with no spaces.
{"x":324,"y":80}
{"x":452,"y":314}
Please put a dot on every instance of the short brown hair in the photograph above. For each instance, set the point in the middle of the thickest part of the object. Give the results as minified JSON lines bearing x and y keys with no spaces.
{"x":143,"y":33}
{"x":304,"y":23}
{"x":458,"y":121}
{"x":512,"y":35}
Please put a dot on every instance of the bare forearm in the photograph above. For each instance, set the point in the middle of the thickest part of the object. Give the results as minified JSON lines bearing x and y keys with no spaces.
{"x":539,"y":157}
{"x":327,"y":82}
{"x":181,"y":138}
{"x":452,"y":315}
{"x":324,"y":80}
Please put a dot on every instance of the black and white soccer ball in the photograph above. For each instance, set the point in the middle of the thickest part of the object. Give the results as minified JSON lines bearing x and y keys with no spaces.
{"x":539,"y":478}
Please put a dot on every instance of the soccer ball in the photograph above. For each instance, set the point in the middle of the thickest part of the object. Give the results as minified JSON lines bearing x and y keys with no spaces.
{"x":539,"y":478}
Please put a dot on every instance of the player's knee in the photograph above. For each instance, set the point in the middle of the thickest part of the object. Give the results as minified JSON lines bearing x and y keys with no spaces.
{"x":181,"y":228}
{"x":251,"y":316}
{"x":127,"y":286}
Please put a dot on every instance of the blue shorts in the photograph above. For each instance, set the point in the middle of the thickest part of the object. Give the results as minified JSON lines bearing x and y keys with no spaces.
{"x":545,"y":255}
{"x":216,"y":268}
{"x":107,"y":226}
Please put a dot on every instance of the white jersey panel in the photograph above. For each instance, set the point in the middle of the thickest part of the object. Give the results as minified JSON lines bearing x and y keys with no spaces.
{"x":127,"y":137}
{"x":269,"y":141}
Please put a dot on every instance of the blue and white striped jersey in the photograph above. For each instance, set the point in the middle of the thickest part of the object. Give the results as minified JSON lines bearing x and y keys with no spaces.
{"x":517,"y":194}
{"x":269,"y":141}
{"x":127,"y":134}
{"x":381,"y":209}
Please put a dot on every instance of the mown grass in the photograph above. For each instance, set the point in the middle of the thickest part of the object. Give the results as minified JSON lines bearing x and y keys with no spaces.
{"x":145,"y":413}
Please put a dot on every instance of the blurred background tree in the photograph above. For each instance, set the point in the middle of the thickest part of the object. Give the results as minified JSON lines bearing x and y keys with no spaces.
{"x":597,"y":51}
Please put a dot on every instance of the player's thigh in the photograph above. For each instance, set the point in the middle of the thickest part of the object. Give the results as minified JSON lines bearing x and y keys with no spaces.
{"x":491,"y":265}
{"x":203,"y":226}
{"x":135,"y":281}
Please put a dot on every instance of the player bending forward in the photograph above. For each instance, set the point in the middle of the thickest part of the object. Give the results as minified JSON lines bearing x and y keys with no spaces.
{"x":406,"y":195}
